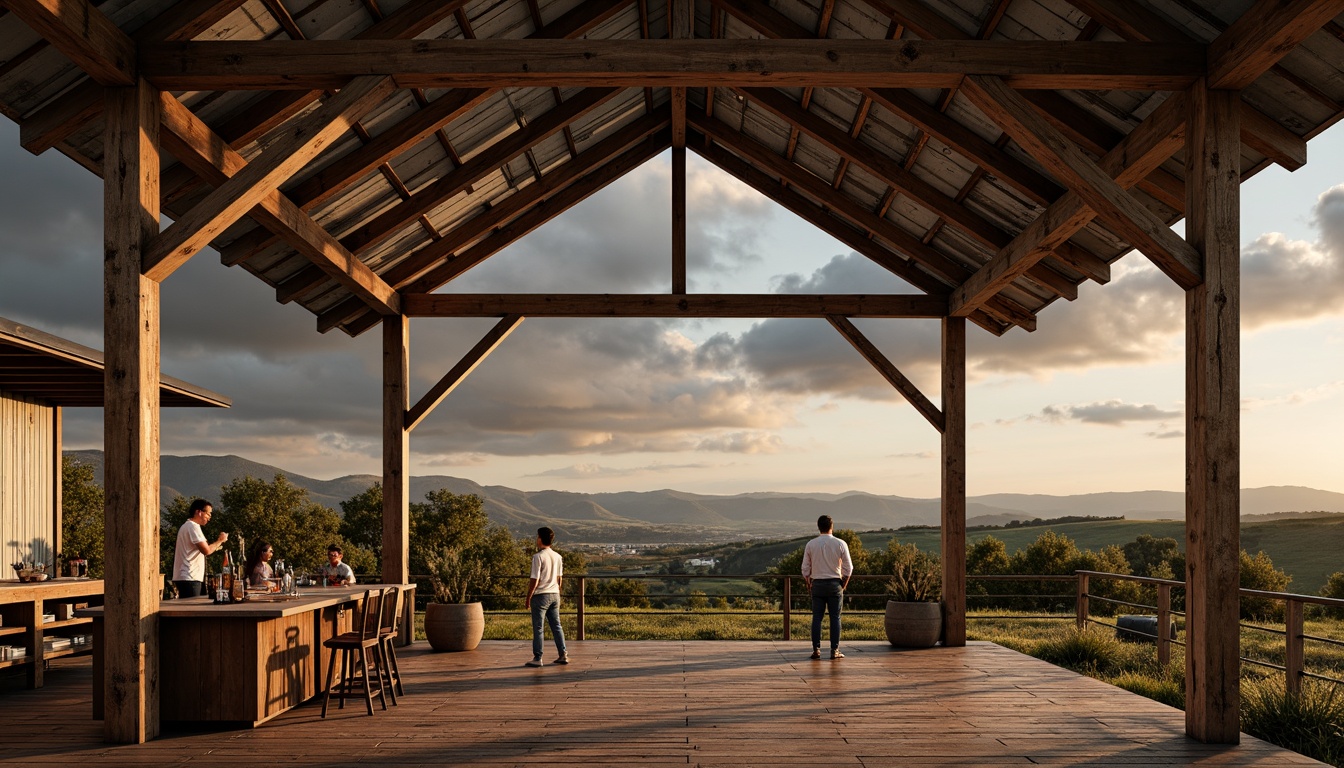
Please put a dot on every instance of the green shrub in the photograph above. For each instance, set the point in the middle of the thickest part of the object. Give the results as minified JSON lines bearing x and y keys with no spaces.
{"x":1167,"y":688}
{"x":1310,"y":722}
{"x":1093,"y":652}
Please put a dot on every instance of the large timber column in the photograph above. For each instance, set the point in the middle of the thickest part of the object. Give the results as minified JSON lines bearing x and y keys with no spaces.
{"x":1212,"y":402}
{"x":396,"y":457}
{"x":954,"y":481}
{"x":131,"y":416}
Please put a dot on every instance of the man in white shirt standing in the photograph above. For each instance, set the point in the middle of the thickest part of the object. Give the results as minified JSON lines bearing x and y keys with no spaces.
{"x":826,"y":569}
{"x":543,"y":597}
{"x":191,"y":551}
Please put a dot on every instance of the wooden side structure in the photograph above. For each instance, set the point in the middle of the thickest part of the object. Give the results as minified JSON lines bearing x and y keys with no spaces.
{"x":993,"y":154}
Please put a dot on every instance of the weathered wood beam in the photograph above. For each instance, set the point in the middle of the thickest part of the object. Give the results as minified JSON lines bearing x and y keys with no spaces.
{"x":264,"y":175}
{"x":1262,"y":36}
{"x":1145,"y":148}
{"x":1121,"y":211}
{"x":954,"y":482}
{"x":746,"y":305}
{"x":681,"y":26}
{"x":58,"y":120}
{"x":679,"y":207}
{"x":309,"y":64}
{"x":846,"y":232}
{"x":83,"y":34}
{"x":889,"y":371}
{"x":396,"y":528}
{"x":195,"y":145}
{"x":480,"y":166}
{"x":946,"y":270}
{"x":131,"y":417}
{"x":1212,"y":417}
{"x":459,"y":372}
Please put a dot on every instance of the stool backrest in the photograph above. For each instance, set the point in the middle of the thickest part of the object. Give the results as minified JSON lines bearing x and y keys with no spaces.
{"x":390,"y":612}
{"x":370,"y":614}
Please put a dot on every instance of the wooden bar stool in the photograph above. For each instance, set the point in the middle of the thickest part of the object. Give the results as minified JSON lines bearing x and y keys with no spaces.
{"x":387,"y":642}
{"x":363,"y":639}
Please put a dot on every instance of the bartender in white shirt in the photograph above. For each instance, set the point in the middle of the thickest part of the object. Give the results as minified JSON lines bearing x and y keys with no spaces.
{"x":826,"y":569}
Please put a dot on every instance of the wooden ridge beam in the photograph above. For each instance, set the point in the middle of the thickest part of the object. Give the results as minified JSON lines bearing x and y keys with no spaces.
{"x":485,"y":162}
{"x":681,"y":26}
{"x":888,"y":370}
{"x":1262,"y":36}
{"x":250,"y":185}
{"x":458,"y":373}
{"x":947,"y":271}
{"x":1121,"y":211}
{"x":313,"y":64}
{"x":188,"y":138}
{"x":83,"y":34}
{"x":1145,"y":148}
{"x":441,"y":252}
{"x":669,"y":305}
{"x":856,"y":238}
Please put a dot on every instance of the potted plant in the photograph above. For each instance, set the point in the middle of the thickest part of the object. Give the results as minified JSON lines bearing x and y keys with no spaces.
{"x":914,"y":617}
{"x":453,"y":622}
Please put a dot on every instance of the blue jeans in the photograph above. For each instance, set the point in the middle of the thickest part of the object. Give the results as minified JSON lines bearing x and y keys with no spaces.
{"x":547,"y":605}
{"x":826,"y":596}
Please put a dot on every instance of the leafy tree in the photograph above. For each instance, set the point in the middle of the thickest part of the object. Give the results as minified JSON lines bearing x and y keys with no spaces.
{"x":452,"y":539}
{"x":986,"y":557}
{"x":1146,"y":553}
{"x":1258,"y":572}
{"x":1334,"y":587}
{"x":618,"y":593}
{"x":362,"y":521}
{"x":696,"y":601}
{"x":280,"y":512}
{"x":81,"y":515}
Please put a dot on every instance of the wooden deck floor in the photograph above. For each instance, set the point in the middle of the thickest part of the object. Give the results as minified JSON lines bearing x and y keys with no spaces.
{"x":673,"y":703}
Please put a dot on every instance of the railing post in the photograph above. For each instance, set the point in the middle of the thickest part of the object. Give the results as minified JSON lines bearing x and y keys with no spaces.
{"x":579,"y":619}
{"x":1081,"y":604}
{"x":1164,"y":624}
{"x":1293,"y":631}
{"x":787,"y":604}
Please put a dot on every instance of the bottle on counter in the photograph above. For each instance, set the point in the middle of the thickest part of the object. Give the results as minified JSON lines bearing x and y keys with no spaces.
{"x":226,"y":580}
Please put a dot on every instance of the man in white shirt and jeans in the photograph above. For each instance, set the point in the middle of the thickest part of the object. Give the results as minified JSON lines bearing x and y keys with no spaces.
{"x":826,"y":569}
{"x":191,"y":550}
{"x":543,"y":597}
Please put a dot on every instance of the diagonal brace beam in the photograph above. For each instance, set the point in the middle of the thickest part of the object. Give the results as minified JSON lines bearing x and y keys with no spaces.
{"x":889,"y":371}
{"x":459,"y":372}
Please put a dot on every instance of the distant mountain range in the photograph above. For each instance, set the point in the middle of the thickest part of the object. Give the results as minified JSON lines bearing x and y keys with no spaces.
{"x":668,"y":515}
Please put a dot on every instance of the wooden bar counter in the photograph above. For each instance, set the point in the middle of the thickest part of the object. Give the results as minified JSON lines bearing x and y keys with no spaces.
{"x":246,"y":662}
{"x":21,"y":609}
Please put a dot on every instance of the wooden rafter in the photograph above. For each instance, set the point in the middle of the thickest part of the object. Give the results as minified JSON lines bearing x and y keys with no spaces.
{"x":1146,"y":147}
{"x":192,"y":142}
{"x":1262,"y":36}
{"x":667,"y":305}
{"x":459,"y":372}
{"x":888,"y":370}
{"x":84,"y":35}
{"x":289,"y":65}
{"x":680,"y":26}
{"x":1098,"y":190}
{"x":264,"y":175}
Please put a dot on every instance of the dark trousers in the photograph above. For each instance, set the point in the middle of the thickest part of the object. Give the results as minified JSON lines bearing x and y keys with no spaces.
{"x":826,"y":596}
{"x":189,"y":588}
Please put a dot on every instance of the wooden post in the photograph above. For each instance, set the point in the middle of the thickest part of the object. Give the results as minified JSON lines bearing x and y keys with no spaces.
{"x":1164,"y":624}
{"x":787,"y":606}
{"x":679,"y":220}
{"x":1080,"y":605}
{"x":396,"y":454}
{"x":1212,"y":405}
{"x":581,"y":630}
{"x":954,"y":481}
{"x":131,"y":415}
{"x":57,"y":497}
{"x":1293,"y":659}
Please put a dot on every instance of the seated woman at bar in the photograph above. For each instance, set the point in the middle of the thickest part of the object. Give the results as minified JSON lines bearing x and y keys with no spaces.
{"x":258,"y":567}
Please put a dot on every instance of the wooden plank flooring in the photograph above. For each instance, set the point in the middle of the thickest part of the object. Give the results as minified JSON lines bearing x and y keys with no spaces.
{"x":695,"y":703}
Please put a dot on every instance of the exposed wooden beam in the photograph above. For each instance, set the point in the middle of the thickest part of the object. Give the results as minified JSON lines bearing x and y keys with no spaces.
{"x":195,"y":145}
{"x":681,"y":26}
{"x":953,"y":477}
{"x":83,"y":34}
{"x":309,"y":64}
{"x":665,"y":305}
{"x":919,"y":18}
{"x":679,"y":208}
{"x":396,"y":527}
{"x":264,"y":175}
{"x":458,"y":373}
{"x":1212,"y":418}
{"x":1094,"y":185}
{"x":888,"y":370}
{"x":1145,"y":148}
{"x":1263,"y":35}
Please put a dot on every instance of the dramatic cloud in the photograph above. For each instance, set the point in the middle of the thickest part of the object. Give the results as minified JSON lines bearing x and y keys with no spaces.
{"x":1112,"y":413}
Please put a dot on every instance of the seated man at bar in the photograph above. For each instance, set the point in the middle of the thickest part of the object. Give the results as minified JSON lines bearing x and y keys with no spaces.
{"x":189,"y":556}
{"x":336,"y":573}
{"x":258,"y":567}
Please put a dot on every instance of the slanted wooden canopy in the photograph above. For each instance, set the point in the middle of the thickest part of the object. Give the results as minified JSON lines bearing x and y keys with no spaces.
{"x":993,"y":154}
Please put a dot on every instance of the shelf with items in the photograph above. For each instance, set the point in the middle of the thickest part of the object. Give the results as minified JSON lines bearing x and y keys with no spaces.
{"x":71,"y":651}
{"x":65,"y":623}
{"x":7,"y":631}
{"x":16,"y":662}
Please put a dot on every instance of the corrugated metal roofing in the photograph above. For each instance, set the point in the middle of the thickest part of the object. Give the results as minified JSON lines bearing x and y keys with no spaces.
{"x":1303,"y":94}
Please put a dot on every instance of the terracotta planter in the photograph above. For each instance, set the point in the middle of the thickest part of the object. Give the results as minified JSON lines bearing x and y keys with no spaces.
{"x":454,"y":627}
{"x":914,"y":625}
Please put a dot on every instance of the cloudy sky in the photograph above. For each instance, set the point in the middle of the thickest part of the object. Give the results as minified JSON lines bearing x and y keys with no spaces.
{"x":1090,"y":402}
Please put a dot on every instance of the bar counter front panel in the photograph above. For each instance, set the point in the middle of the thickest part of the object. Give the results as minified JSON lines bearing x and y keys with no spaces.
{"x":244,"y":662}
